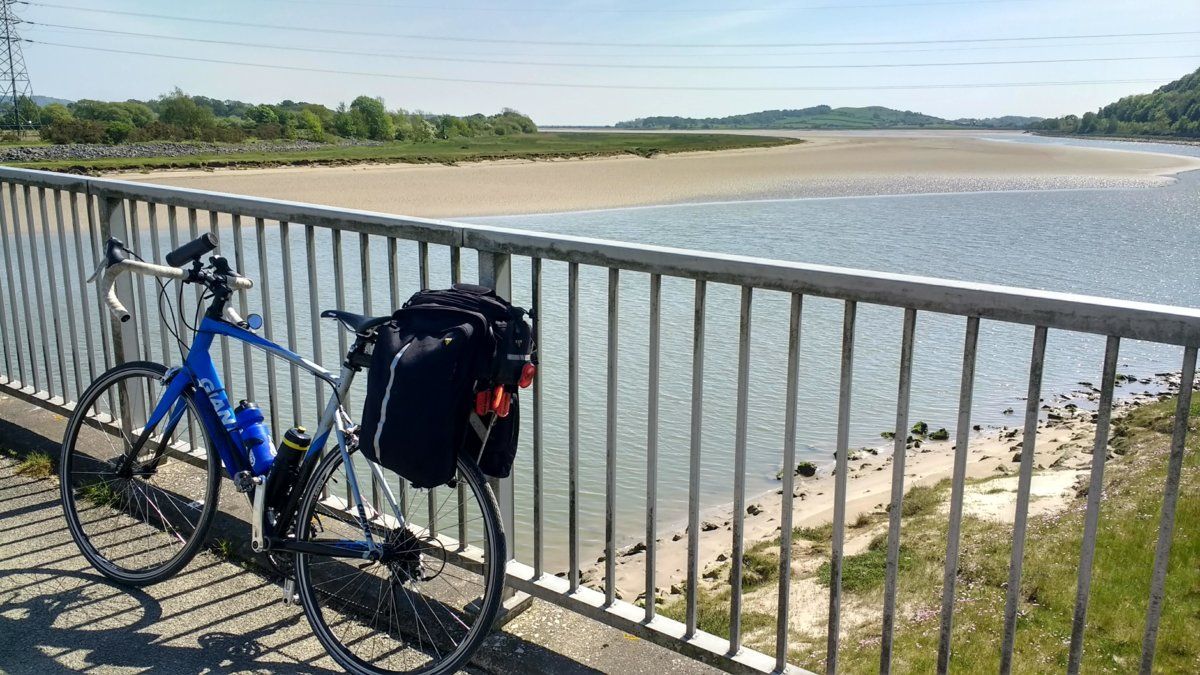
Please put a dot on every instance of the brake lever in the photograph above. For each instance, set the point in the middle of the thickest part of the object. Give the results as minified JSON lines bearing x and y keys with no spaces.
{"x":115,"y":252}
{"x":96,"y":275}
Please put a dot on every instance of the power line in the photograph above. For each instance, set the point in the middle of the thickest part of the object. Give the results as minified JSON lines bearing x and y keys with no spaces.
{"x":617,"y":66}
{"x":579,"y":85}
{"x":445,"y":38}
{"x":545,"y":9}
{"x":40,"y":27}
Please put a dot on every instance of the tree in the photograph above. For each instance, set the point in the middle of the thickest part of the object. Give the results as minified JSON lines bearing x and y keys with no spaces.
{"x":55,"y":112}
{"x":262,"y":114}
{"x":371,"y":120}
{"x":178,"y":109}
{"x":311,"y":124}
{"x":420,"y":130}
{"x":449,"y":126}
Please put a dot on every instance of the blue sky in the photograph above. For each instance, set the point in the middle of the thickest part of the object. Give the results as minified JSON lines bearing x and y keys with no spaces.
{"x":515,"y":32}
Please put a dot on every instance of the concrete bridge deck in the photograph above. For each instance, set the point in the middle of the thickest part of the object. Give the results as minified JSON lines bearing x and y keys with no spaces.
{"x":58,"y":615}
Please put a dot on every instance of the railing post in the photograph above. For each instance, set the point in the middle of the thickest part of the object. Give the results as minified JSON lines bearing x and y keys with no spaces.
{"x":495,"y":272}
{"x":114,"y":224}
{"x":124,"y":334}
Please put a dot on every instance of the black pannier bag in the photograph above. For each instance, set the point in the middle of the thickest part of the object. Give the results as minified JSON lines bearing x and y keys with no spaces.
{"x":429,"y":362}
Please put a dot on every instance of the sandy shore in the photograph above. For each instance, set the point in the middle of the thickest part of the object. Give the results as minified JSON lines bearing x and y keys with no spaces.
{"x":1062,"y":455}
{"x":826,"y":165}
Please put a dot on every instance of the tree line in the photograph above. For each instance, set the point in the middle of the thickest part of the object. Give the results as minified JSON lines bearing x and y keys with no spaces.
{"x":179,"y":117}
{"x":1171,"y":110}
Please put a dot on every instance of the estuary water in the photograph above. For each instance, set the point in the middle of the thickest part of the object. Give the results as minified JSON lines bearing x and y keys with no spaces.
{"x":1137,"y":244}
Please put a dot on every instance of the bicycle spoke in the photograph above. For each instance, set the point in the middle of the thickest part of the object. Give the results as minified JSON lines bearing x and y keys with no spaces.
{"x":137,"y":518}
{"x":416,"y":606}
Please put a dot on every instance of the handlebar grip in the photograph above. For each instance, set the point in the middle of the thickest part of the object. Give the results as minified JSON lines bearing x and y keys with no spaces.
{"x":239,"y":283}
{"x":110,"y":294}
{"x":192,"y":250}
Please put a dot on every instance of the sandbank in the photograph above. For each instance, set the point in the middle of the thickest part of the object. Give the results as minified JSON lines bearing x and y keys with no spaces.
{"x":825,"y":165}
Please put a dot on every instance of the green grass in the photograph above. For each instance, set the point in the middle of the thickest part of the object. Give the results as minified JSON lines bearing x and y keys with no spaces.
{"x":99,"y":493}
{"x":820,"y":533}
{"x":864,"y":571}
{"x":36,"y":465}
{"x":544,"y":145}
{"x":922,"y":500}
{"x":1120,"y":586}
{"x":224,"y":548}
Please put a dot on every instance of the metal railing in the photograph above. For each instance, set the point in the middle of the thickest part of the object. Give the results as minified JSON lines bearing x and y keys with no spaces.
{"x":56,"y":339}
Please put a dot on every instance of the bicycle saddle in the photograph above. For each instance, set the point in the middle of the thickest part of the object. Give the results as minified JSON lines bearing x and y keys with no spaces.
{"x":355,"y":322}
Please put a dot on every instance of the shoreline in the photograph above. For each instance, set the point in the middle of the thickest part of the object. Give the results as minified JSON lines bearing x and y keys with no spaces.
{"x":1165,"y":140}
{"x":1063,"y":449}
{"x":824,"y":166}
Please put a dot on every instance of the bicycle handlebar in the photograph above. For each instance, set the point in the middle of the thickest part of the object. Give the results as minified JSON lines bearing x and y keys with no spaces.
{"x":192,"y":250}
{"x":115,"y":270}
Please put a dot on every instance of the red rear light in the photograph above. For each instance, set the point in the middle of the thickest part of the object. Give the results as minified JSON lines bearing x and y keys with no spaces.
{"x":483,"y":402}
{"x":527,"y":374}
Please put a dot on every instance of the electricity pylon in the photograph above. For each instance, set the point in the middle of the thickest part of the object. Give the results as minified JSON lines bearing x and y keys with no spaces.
{"x":14,"y":78}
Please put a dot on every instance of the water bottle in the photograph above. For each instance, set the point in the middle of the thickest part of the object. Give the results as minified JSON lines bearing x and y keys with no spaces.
{"x":255,"y":437}
{"x":284,"y":472}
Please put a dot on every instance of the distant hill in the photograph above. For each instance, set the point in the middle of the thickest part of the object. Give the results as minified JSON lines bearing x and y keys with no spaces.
{"x":47,"y":100}
{"x":1004,"y":122}
{"x":1171,"y":110}
{"x":40,"y":100}
{"x":825,"y":117}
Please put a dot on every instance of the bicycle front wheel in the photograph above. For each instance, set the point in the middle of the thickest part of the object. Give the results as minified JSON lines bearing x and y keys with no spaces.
{"x":137,"y":518}
{"x":428,"y":603}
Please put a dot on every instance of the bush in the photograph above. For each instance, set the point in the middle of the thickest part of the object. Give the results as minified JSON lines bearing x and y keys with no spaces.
{"x":73,"y":131}
{"x":118,"y":132}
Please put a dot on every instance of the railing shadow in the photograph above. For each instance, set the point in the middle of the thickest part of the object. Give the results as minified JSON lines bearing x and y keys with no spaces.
{"x":59,"y":624}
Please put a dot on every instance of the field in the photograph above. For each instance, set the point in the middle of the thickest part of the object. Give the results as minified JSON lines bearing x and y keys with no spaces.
{"x":551,"y":145}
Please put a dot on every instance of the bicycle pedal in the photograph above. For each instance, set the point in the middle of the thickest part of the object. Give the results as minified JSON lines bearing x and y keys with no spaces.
{"x":290,"y":596}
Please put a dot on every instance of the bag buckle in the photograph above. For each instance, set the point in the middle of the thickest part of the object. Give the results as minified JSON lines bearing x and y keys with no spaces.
{"x":495,"y":400}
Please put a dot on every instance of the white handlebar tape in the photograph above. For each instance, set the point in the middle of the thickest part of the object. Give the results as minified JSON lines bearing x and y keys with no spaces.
{"x":110,"y":278}
{"x":111,"y":273}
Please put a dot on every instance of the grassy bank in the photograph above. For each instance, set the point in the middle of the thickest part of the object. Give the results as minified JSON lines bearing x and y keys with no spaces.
{"x":555,"y":145}
{"x":1120,"y":588}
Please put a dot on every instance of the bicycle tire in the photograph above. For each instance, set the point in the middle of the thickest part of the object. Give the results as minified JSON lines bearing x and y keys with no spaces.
{"x":488,"y":607}
{"x":72,"y":458}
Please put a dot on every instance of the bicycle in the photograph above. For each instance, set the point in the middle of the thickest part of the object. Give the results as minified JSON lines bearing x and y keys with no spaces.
{"x":384,"y":590}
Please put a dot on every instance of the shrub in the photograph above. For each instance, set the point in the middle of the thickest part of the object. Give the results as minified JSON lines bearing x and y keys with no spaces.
{"x":118,"y":132}
{"x":73,"y":131}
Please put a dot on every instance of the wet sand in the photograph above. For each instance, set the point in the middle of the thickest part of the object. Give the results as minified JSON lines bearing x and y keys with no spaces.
{"x":827,"y":164}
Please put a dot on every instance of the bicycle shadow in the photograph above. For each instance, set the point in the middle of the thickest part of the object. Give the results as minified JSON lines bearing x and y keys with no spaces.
{"x":56,"y":620}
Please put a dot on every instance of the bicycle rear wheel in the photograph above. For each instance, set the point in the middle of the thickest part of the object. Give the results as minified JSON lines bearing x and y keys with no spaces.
{"x":428,"y":604}
{"x":138,"y":521}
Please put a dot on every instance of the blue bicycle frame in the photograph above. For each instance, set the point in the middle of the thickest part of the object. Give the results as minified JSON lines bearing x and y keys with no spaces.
{"x":207,"y":392}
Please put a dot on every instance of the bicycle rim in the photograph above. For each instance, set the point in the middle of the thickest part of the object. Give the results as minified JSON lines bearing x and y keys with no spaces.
{"x":428,"y":605}
{"x":141,"y":523}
